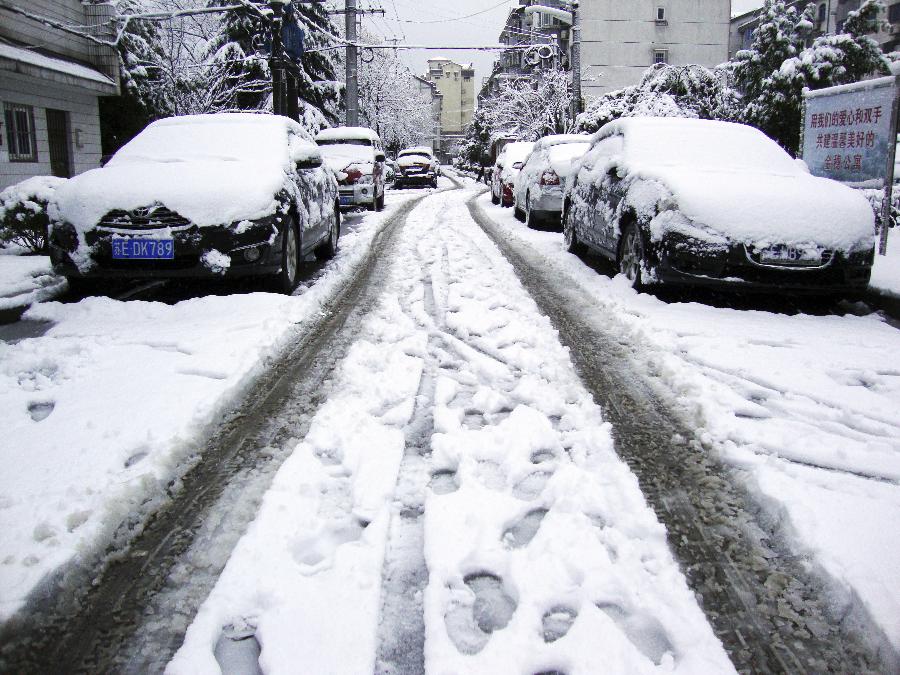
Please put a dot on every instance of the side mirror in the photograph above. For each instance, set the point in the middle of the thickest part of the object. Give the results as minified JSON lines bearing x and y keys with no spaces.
{"x":306,"y":156}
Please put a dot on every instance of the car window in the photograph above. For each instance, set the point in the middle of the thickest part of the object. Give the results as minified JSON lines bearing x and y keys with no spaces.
{"x":606,"y":148}
{"x":345,"y":141}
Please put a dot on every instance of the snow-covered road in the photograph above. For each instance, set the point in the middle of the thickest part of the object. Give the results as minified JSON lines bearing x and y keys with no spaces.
{"x":450,"y":498}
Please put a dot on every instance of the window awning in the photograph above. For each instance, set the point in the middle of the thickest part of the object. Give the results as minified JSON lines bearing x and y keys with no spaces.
{"x":29,"y":62}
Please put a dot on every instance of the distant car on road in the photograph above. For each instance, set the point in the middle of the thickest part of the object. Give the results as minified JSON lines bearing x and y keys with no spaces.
{"x":418,"y":167}
{"x":696,"y":202}
{"x":232,"y":194}
{"x":506,"y":168}
{"x":538,"y":191}
{"x":357,"y":156}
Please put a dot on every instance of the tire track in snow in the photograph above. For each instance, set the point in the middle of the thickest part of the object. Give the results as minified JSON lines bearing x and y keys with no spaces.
{"x":769,"y":611}
{"x":115,"y":623}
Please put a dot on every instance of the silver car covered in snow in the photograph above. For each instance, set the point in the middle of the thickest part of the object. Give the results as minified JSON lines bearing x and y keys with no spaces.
{"x":538,"y":190}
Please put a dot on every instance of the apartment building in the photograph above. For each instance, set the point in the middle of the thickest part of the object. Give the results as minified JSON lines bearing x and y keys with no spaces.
{"x":456,"y":84}
{"x":620,"y":40}
{"x":433,"y":97}
{"x":538,"y":28}
{"x":830,"y":18}
{"x":51,"y":80}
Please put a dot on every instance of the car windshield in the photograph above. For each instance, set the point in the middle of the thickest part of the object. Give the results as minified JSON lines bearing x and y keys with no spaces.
{"x":415,"y":155}
{"x":219,"y":140}
{"x":345,"y":141}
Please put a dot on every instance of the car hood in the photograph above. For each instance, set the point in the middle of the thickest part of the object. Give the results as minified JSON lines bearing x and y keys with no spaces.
{"x":339,"y":158}
{"x":414,"y":160}
{"x":205,"y":192}
{"x":763,"y":209}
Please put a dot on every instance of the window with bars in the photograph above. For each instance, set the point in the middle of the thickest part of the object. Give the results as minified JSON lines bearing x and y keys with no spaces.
{"x":660,"y":56}
{"x":20,"y":137}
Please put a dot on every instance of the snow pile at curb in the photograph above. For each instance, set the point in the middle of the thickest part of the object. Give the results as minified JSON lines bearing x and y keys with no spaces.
{"x":27,"y":279}
{"x":886,"y":272}
{"x":103,"y":412}
{"x":803,"y":407}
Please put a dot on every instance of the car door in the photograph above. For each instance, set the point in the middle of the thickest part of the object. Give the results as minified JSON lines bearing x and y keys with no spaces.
{"x":606,"y":193}
{"x":525,"y":179}
{"x":315,"y":195}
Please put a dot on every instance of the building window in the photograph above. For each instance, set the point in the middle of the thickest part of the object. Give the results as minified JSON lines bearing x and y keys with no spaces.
{"x":660,"y":56}
{"x":661,"y":17}
{"x":894,"y":13}
{"x":20,"y":133}
{"x":823,"y":13}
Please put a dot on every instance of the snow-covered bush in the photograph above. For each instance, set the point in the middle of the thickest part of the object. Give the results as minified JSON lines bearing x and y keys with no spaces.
{"x":23,"y":212}
{"x":876,"y":198}
{"x":666,"y":91}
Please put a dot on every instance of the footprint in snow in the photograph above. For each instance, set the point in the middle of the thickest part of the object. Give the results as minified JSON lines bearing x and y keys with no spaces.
{"x":645,"y":632}
{"x":40,"y":410}
{"x":487,"y":607}
{"x":444,"y":482}
{"x":531,"y":485}
{"x":316,"y":551}
{"x":557,"y":622}
{"x":520,"y":533}
{"x":541,"y":456}
{"x":237,"y":650}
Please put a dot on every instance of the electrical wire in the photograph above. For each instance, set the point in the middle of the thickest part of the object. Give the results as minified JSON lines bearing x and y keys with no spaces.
{"x":457,"y":18}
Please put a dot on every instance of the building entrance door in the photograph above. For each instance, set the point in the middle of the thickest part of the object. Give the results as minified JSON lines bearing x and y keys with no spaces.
{"x":58,"y":134}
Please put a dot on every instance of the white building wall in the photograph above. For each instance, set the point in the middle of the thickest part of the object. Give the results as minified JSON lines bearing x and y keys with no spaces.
{"x":84,"y":124}
{"x":619,"y":38}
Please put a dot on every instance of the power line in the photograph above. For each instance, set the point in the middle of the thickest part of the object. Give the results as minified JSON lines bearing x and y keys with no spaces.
{"x":457,"y":18}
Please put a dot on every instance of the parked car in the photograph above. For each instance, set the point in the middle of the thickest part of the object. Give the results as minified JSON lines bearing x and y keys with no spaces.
{"x":538,"y":190}
{"x":357,"y":156}
{"x":202,"y":195}
{"x":506,"y":168}
{"x":678,"y":201}
{"x":418,"y":166}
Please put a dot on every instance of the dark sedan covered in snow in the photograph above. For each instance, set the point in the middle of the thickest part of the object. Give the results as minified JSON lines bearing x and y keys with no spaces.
{"x":200,"y":196}
{"x":680,"y":201}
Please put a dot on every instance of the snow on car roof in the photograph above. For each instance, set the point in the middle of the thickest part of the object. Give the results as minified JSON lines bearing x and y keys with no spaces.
{"x":342,"y":133}
{"x":562,"y":139}
{"x":518,"y":151}
{"x":420,"y":150}
{"x":672,"y":141}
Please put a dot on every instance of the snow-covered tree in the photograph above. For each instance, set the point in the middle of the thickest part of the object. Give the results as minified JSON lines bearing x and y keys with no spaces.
{"x":391,"y":102}
{"x":774,"y":71}
{"x":528,"y":107}
{"x":666,"y":91}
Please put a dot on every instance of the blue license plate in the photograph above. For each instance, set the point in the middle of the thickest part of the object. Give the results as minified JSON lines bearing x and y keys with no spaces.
{"x":346,"y":201}
{"x":143,"y":249}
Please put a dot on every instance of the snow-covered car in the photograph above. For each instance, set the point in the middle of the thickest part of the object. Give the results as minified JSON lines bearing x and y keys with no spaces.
{"x":418,"y":167}
{"x":390,"y":172}
{"x":538,"y":190}
{"x":680,"y":201}
{"x":357,"y":156}
{"x":232,"y":194}
{"x":506,"y":168}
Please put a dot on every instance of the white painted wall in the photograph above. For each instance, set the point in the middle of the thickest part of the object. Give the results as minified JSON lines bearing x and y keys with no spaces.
{"x":619,"y":38}
{"x":84,"y":118}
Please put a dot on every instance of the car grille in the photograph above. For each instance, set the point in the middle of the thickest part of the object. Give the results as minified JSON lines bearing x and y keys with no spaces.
{"x":145,"y":218}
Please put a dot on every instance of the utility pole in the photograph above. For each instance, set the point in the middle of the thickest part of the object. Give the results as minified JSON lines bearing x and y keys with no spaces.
{"x":276,"y":61}
{"x":352,"y":84}
{"x":576,"y":62}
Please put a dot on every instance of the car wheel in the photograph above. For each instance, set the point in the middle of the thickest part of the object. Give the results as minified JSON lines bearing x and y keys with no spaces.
{"x":518,"y":213}
{"x":494,"y":198}
{"x":289,"y":276}
{"x":632,"y":257}
{"x":570,"y":237}
{"x":328,"y":249}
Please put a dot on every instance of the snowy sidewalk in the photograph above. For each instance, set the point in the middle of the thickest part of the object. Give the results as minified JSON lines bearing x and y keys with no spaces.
{"x":803,"y":407}
{"x":540,"y":553}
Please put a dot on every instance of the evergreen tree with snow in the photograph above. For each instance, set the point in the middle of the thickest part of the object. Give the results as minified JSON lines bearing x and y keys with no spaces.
{"x":774,"y":71}
{"x":241,"y":48}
